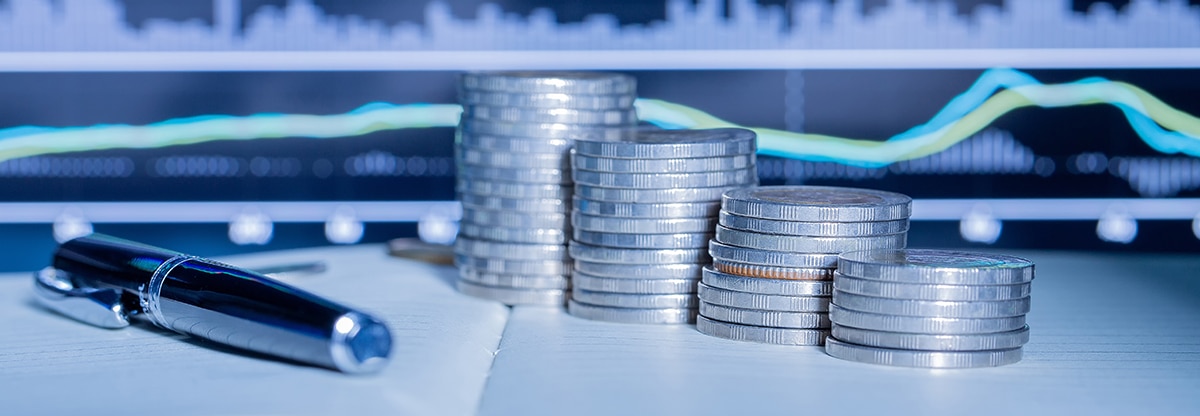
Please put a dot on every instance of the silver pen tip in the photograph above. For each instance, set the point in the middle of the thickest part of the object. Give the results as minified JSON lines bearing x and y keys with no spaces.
{"x":361,"y":344}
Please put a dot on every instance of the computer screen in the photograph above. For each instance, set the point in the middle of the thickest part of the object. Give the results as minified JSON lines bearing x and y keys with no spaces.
{"x":224,"y":126}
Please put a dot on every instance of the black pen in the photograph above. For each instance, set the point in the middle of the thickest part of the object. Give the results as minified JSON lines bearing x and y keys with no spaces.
{"x":104,"y":281}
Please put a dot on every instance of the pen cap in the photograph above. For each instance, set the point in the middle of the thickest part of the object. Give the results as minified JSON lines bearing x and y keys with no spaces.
{"x":230,"y":305}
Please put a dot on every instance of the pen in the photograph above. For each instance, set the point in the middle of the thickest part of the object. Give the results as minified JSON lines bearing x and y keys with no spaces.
{"x":105,"y":281}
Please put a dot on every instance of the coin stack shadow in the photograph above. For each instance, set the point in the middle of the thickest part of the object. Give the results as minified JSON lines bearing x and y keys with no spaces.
{"x":775,"y":252}
{"x":644,"y":211}
{"x":512,"y":154}
{"x":930,"y":308}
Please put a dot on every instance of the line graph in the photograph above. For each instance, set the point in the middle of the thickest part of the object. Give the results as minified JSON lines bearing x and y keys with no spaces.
{"x":996,"y":92}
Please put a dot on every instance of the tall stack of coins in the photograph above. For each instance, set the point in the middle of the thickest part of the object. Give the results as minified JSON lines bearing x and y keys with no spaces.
{"x":775,"y":253}
{"x":514,"y":178}
{"x":644,"y":210}
{"x":930,"y":308}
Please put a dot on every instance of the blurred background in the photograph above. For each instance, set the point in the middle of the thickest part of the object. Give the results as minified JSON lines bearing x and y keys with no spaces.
{"x":224,"y":126}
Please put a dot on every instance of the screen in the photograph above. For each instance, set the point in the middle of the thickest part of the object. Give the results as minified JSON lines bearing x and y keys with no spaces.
{"x":225,"y":126}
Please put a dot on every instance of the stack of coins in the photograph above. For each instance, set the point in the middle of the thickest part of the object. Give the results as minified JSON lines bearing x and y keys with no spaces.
{"x":930,"y":308}
{"x":514,"y":182}
{"x":644,"y":210}
{"x":775,"y":253}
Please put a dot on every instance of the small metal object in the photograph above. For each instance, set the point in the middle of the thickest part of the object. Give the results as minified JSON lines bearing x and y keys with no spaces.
{"x":922,"y":359}
{"x":936,"y":266}
{"x":760,"y":285}
{"x":585,"y":252}
{"x":758,"y":317}
{"x":504,"y":266}
{"x":547,"y":100}
{"x":747,"y":300}
{"x":772,"y":272}
{"x":656,"y":241}
{"x":513,"y":189}
{"x":540,"y":175}
{"x":932,"y":342}
{"x":806,"y":244}
{"x":747,"y":177}
{"x":567,"y":82}
{"x":682,"y":165}
{"x":923,"y":324}
{"x":929,"y":291}
{"x":760,"y":334}
{"x":615,"y":117}
{"x":588,"y":222}
{"x":671,"y":144}
{"x":633,"y":286}
{"x":814,"y":229}
{"x":818,"y":204}
{"x":515,"y":235}
{"x":510,"y":251}
{"x":509,"y":219}
{"x":515,"y":281}
{"x":720,"y":250}
{"x":632,"y":315}
{"x":627,"y":300}
{"x":640,"y":271}
{"x":646,"y":210}
{"x":483,"y":157}
{"x":943,"y":309}
{"x":651,"y":196}
{"x":517,"y":145}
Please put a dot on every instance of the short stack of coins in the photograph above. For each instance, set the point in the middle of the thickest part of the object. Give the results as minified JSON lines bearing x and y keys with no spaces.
{"x":930,"y":308}
{"x":644,"y":210}
{"x":775,"y":253}
{"x":514,"y":182}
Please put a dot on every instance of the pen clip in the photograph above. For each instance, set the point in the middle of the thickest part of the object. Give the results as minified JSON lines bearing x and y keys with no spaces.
{"x":56,"y":290}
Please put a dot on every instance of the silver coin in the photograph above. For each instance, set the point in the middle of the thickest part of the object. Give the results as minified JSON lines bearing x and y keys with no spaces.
{"x":806,"y":244}
{"x":513,"y":189}
{"x":541,"y":130}
{"x":510,"y":251}
{"x":672,"y":144}
{"x":547,"y":100}
{"x":760,"y":334}
{"x":928,"y":291}
{"x":920,"y":359}
{"x":567,"y":82}
{"x":689,"y":271}
{"x":766,"y":286}
{"x":747,"y":300}
{"x":514,"y":235}
{"x":547,"y":205}
{"x":511,"y":296}
{"x":771,"y":272}
{"x":510,"y":219}
{"x":626,"y":117}
{"x":516,"y":145}
{"x":933,"y":342}
{"x":726,"y":252}
{"x":623,"y":240}
{"x":651,"y":196}
{"x":626,"y":300}
{"x":817,"y":204}
{"x":774,"y":319}
{"x":667,"y":180}
{"x":632,"y":315}
{"x":923,"y":324}
{"x":646,"y":210}
{"x":600,"y":254}
{"x":688,"y":165}
{"x":634,"y":286}
{"x":816,"y":229}
{"x":587,"y":222}
{"x":491,"y":158}
{"x":503,"y":266}
{"x":945,"y":309}
{"x":936,"y":266}
{"x":515,"y":281}
{"x":543,"y":175}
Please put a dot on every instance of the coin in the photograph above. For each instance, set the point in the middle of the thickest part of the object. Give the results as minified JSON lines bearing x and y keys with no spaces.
{"x":933,"y":342}
{"x":816,"y":229}
{"x":806,"y":244}
{"x":667,"y":180}
{"x":491,"y":158}
{"x":672,"y":144}
{"x":510,"y":251}
{"x":772,"y":272}
{"x":511,"y":296}
{"x":936,"y":266}
{"x":585,"y":281}
{"x":640,"y":271}
{"x":747,"y":300}
{"x":510,"y":219}
{"x":548,"y":205}
{"x":817,"y":204}
{"x":646,"y":210}
{"x":626,"y":300}
{"x":650,"y":196}
{"x":541,"y":175}
{"x":683,"y":240}
{"x":632,"y":315}
{"x":617,"y":117}
{"x":512,"y":189}
{"x":921,"y":359}
{"x":760,"y":334}
{"x":549,"y":81}
{"x":588,"y":222}
{"x":735,"y":254}
{"x":775,"y":319}
{"x":540,"y":130}
{"x":737,"y":283}
{"x":688,"y":165}
{"x":944,"y":309}
{"x":923,"y":324}
{"x":600,"y":254}
{"x":495,"y":143}
{"x":546,"y":100}
{"x":516,"y":281}
{"x":503,"y":266}
{"x":927,"y":291}
{"x":514,"y":235}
